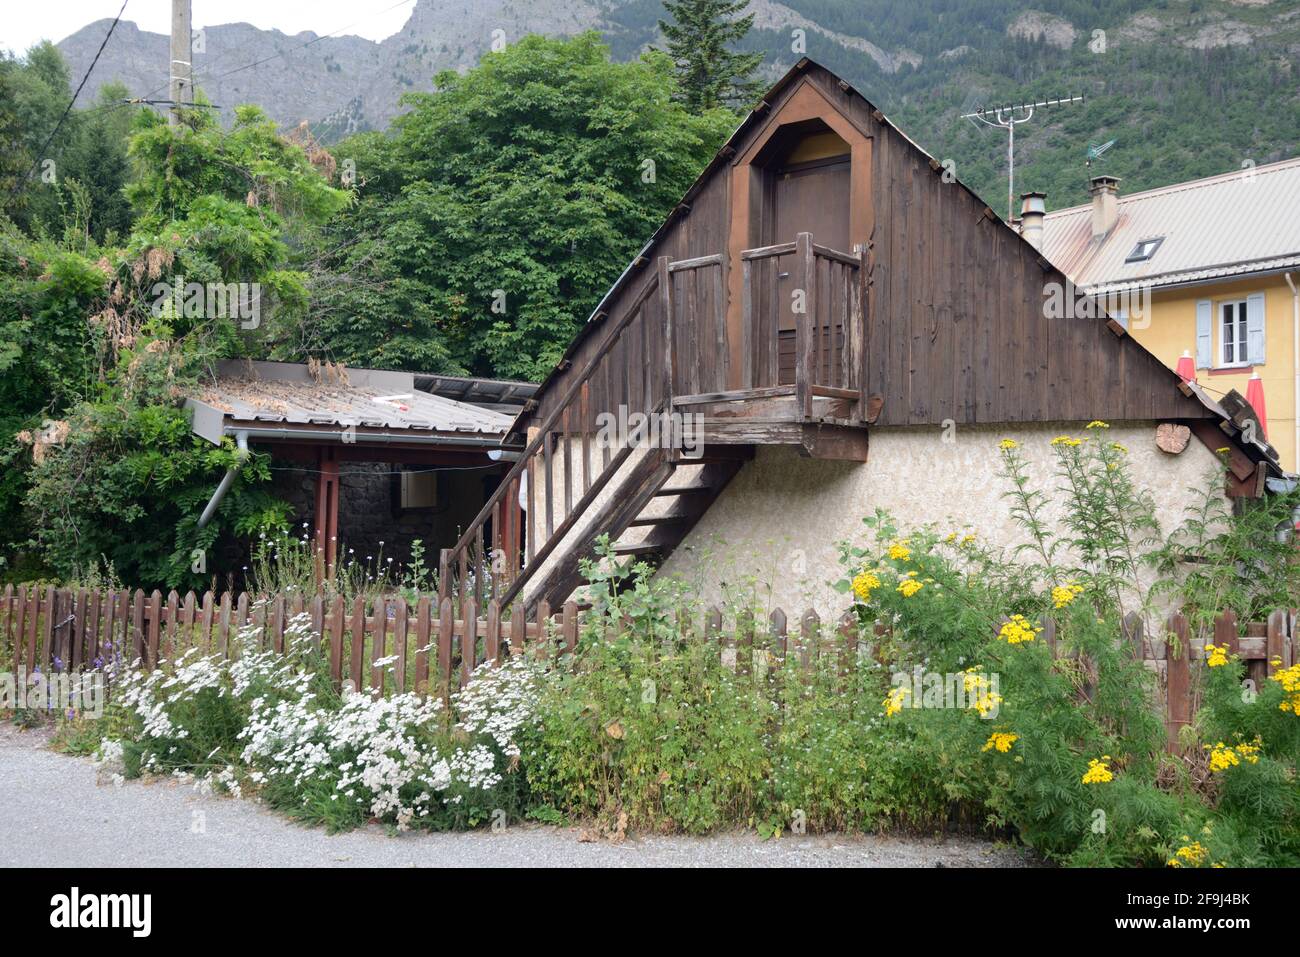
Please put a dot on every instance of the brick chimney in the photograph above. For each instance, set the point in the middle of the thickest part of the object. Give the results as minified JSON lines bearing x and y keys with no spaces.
{"x":1105,"y":204}
{"x":1033,"y":207}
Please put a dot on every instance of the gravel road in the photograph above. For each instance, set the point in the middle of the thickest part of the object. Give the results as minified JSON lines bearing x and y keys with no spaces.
{"x":54,"y":813}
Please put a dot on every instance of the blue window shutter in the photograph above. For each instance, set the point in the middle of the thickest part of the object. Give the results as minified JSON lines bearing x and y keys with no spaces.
{"x":1255,"y":327}
{"x":1204,"y":324}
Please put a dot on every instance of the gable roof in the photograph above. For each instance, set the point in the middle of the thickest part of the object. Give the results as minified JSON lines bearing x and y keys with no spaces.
{"x":1142,"y":367}
{"x":1232,"y":224}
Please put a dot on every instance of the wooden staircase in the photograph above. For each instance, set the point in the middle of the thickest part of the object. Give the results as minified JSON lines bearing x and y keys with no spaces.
{"x":665,"y":351}
{"x":649,"y":515}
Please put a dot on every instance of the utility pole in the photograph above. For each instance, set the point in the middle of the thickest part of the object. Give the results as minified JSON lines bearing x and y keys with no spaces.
{"x":181,"y":68}
{"x":1004,"y":117}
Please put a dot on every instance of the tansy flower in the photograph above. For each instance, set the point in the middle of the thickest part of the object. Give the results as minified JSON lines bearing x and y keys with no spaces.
{"x":1006,"y":445}
{"x":1097,"y":424}
{"x":1098,"y":771}
{"x":1118,"y":447}
{"x":1018,"y":629}
{"x":977,"y":687}
{"x":909,"y":587}
{"x":1062,"y":595}
{"x":1066,"y":440}
{"x":864,"y":583}
{"x":894,"y":703}
{"x":1189,"y":855}
{"x":1216,"y":655}
{"x":1289,"y":679}
{"x":899,"y":551}
{"x":1001,"y":741}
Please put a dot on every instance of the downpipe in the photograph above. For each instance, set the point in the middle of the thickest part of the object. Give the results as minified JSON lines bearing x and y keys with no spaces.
{"x":227,"y":480}
{"x":1295,"y":359}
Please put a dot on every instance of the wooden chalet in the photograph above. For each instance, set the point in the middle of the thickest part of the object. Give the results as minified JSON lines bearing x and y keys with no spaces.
{"x":822,"y":280}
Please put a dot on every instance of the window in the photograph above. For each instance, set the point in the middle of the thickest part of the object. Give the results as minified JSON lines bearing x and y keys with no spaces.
{"x":1233,"y":334}
{"x":1144,"y":250}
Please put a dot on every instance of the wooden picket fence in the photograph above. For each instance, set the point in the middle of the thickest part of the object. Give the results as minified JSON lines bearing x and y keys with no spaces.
{"x":387,"y":645}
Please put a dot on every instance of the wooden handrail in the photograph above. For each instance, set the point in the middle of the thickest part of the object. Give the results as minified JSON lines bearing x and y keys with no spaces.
{"x":561,"y":407}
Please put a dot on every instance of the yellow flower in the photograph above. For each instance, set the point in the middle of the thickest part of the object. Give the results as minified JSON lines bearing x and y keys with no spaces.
{"x":909,"y":587}
{"x":1018,"y":629}
{"x":1222,"y":757}
{"x":864,"y":583}
{"x":1062,"y":595}
{"x":899,"y":551}
{"x":1001,"y":740}
{"x":968,"y":539}
{"x":1098,"y":771}
{"x":1189,"y":855}
{"x":1223,"y":450}
{"x":1216,"y":655}
{"x":1250,"y":752}
{"x":1117,"y":447}
{"x":977,"y":686}
{"x":894,"y":703}
{"x":1006,"y":445}
{"x":1097,"y":424}
{"x":1066,"y":440}
{"x":1289,"y":679}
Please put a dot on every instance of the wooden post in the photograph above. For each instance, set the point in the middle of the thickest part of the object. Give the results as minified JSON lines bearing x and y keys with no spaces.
{"x":805,"y":281}
{"x":666,"y":303}
{"x":327,"y":514}
{"x":1178,"y":711}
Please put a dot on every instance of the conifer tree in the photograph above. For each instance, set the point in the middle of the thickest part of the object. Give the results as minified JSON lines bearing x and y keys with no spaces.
{"x":699,"y":38}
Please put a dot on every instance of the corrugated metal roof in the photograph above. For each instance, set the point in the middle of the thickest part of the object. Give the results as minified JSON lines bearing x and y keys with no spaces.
{"x":1232,"y":224}
{"x":290,"y":394}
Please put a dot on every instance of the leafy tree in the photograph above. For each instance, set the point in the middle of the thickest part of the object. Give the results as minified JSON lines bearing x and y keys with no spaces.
{"x":501,"y":208}
{"x":699,"y":37}
{"x":91,"y":341}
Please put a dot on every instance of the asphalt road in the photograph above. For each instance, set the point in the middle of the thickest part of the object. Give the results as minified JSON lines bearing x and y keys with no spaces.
{"x":55,"y":813}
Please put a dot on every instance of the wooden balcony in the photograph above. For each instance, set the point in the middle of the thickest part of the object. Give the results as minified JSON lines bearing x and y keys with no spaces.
{"x":669,"y":353}
{"x":802,"y":333}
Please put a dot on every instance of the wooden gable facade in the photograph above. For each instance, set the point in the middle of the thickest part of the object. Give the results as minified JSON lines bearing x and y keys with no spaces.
{"x":951,"y":299}
{"x":822,"y":278}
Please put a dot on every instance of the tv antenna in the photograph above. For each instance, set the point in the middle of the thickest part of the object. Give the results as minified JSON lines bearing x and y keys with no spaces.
{"x":1096,"y":152}
{"x":1008,"y":117}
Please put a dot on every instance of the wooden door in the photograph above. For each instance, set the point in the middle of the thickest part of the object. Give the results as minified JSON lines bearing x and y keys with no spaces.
{"x":806,"y":198}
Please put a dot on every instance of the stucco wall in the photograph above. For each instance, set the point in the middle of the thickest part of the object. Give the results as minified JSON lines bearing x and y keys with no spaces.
{"x":775,"y":526}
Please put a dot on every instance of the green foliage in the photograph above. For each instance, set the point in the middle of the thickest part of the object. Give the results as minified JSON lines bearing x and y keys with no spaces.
{"x":501,"y":208}
{"x":699,"y":38}
{"x":97,"y":358}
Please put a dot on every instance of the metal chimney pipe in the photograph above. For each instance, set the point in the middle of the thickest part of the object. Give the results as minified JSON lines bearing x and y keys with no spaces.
{"x":1033,"y":207}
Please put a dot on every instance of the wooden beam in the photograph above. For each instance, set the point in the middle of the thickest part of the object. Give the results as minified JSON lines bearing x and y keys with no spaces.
{"x":1213,"y":438}
{"x":844,"y":443}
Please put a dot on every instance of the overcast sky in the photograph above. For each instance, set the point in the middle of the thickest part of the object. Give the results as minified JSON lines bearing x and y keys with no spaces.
{"x":25,"y":23}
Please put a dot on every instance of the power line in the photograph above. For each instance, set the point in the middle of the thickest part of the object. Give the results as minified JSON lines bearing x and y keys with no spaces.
{"x":59,"y":125}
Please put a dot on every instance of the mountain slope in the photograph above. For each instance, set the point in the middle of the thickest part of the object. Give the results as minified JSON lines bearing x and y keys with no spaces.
{"x":1185,"y":87}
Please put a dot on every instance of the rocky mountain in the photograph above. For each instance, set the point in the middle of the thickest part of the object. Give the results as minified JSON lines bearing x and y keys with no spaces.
{"x":1185,"y":87}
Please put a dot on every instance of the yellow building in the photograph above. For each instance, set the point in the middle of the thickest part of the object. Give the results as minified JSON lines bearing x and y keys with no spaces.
{"x":1208,"y":269}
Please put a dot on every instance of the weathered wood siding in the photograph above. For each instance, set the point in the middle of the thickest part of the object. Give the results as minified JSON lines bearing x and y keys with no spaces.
{"x":955,"y":324}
